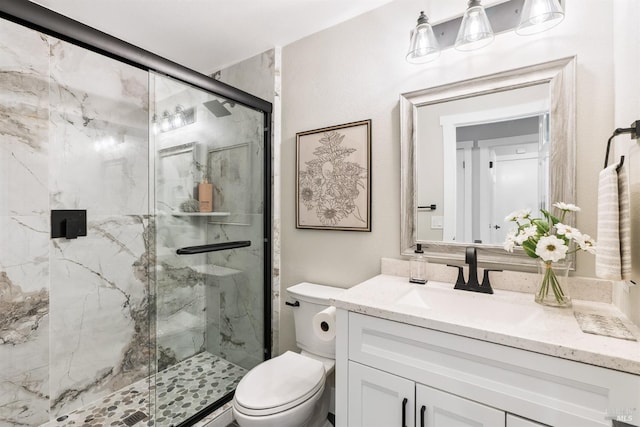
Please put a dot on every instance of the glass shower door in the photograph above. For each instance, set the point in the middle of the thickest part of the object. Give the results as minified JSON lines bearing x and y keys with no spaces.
{"x":209,"y":230}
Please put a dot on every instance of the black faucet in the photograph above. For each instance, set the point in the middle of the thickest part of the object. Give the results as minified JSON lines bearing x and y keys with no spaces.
{"x":471,"y":258}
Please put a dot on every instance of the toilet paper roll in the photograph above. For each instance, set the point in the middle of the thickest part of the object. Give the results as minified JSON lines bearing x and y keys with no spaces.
{"x":324,"y":324}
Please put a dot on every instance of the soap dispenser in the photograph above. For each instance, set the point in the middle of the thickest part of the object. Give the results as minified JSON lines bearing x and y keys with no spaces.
{"x":418,"y":264}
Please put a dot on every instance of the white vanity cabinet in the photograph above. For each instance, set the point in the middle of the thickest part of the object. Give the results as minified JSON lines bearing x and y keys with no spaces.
{"x":435,"y":408}
{"x":379,"y":399}
{"x":387,"y":371}
{"x":513,"y":421}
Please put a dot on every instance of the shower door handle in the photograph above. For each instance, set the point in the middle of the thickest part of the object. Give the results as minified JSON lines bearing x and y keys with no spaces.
{"x":192,"y":250}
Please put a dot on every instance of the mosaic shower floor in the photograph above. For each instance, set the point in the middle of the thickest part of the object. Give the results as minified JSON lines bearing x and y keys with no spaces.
{"x":180,"y":392}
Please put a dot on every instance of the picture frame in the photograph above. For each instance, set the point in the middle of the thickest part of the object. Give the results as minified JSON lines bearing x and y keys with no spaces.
{"x":333,"y":177}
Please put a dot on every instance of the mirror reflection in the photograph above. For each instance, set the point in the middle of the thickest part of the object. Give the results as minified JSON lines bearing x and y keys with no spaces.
{"x":478,"y":159}
{"x":470,"y":149}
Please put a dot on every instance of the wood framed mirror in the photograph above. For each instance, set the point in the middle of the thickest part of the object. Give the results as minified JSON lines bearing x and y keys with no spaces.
{"x":475,"y":150}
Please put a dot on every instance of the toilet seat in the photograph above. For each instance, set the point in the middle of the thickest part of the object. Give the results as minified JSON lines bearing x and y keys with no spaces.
{"x":279,"y":384}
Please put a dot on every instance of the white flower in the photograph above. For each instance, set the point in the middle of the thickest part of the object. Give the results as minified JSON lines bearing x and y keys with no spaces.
{"x":568,"y":231}
{"x":510,"y":241}
{"x":586,"y":243}
{"x":525,"y":233}
{"x":550,"y":248}
{"x":566,"y":207}
{"x":518,"y":215}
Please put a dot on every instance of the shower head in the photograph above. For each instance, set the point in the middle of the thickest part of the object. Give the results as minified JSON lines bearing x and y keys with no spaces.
{"x":217,"y":108}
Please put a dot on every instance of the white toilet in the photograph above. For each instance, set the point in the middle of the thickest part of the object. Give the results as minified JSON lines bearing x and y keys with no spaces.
{"x":291,"y":390}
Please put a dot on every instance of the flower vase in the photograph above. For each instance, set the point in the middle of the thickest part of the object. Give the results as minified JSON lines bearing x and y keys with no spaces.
{"x":552,"y":288}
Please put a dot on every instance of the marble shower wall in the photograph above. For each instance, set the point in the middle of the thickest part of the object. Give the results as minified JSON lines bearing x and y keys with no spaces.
{"x":261,"y":76}
{"x":209,"y":302}
{"x":77,"y":316}
{"x":24,"y":240}
{"x":74,"y":314}
{"x":235,"y":324}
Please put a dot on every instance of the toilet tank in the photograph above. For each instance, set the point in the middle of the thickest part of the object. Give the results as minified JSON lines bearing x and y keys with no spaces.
{"x":312,"y":299}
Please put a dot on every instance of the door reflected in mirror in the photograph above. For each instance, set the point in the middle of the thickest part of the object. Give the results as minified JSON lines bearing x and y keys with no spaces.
{"x":492,"y":154}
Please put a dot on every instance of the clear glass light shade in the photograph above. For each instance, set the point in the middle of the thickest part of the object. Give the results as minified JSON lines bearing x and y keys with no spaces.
{"x":165,"y":123}
{"x":155,"y":127}
{"x":423,"y":46}
{"x":539,"y":15}
{"x":178,"y":119}
{"x":475,"y":30}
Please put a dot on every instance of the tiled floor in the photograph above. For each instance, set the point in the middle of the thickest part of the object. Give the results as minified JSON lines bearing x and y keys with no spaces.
{"x":180,"y":392}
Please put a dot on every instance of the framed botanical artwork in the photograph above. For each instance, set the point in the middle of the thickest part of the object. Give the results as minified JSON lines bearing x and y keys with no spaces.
{"x":333,"y":177}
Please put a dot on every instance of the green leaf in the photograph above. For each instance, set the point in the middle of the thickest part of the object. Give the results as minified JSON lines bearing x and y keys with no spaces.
{"x":553,"y":220}
{"x":541,"y":225}
{"x":529,"y":247}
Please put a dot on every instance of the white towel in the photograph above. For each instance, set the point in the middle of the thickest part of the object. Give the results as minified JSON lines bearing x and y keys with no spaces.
{"x":613,"y":254}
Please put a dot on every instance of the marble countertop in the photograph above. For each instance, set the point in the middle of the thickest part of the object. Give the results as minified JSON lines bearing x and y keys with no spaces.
{"x":508,"y":318}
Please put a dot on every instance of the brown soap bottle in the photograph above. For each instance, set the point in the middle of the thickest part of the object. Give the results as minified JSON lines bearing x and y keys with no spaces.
{"x":205,"y":196}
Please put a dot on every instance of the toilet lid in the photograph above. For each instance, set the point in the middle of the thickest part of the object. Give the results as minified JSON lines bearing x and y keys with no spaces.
{"x":279,"y":384}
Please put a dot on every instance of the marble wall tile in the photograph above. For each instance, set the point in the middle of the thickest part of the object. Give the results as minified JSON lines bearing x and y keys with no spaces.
{"x":230,"y":323}
{"x":82,"y":302}
{"x":24,"y":327}
{"x":276,"y":139}
{"x":24,"y":201}
{"x":98,"y":161}
{"x":240,"y":334}
{"x":99,"y":311}
{"x":98,"y":140}
{"x":261,"y":76}
{"x":24,"y":320}
{"x":24,"y":113}
{"x":180,"y":313}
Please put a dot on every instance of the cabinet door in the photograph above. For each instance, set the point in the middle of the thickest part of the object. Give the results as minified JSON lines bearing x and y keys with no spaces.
{"x":379,"y":399}
{"x":513,"y":421}
{"x":435,"y":408}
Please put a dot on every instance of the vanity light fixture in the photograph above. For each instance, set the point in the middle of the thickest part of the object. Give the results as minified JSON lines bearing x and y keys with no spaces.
{"x":475,"y":31}
{"x":539,"y":15}
{"x":424,"y":45}
{"x":478,"y":26}
{"x":170,"y":121}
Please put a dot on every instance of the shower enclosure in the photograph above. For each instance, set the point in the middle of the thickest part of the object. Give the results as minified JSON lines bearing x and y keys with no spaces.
{"x":135,"y":243}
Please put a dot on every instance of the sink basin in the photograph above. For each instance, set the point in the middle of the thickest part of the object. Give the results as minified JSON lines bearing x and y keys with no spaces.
{"x":440,"y":298}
